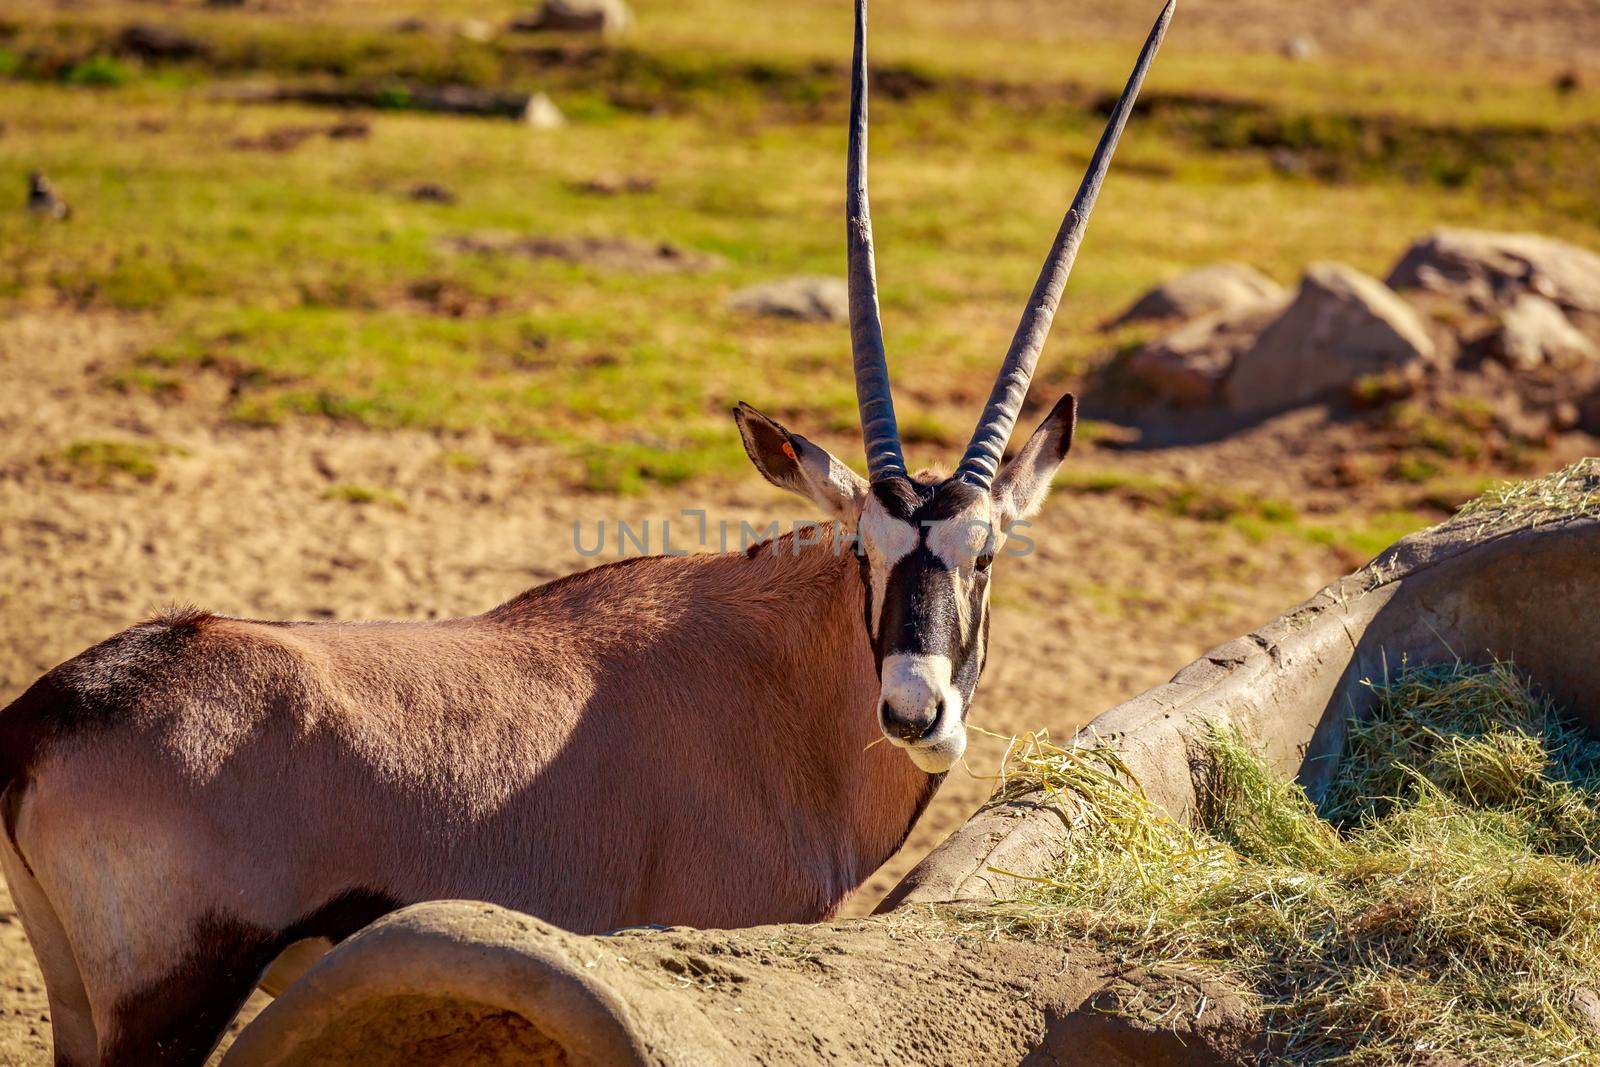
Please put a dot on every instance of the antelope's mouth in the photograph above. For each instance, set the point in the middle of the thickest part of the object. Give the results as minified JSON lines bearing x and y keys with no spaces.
{"x":920,"y":711}
{"x":936,"y":753}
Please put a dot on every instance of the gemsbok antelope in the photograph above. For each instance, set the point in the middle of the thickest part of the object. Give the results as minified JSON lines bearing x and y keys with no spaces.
{"x":660,"y":740}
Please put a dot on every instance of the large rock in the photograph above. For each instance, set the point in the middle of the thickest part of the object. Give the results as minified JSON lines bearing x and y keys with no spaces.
{"x":577,"y":16}
{"x":1341,"y":326}
{"x":1218,"y":287}
{"x":1534,"y":332}
{"x":1489,"y":269}
{"x":1186,"y":368}
{"x":806,"y":298}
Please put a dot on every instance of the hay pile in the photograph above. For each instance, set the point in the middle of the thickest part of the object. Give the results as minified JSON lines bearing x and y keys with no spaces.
{"x":1442,"y":906}
{"x":1568,"y":493}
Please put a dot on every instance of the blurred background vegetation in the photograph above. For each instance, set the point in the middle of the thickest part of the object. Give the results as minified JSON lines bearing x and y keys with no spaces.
{"x":314,"y":266}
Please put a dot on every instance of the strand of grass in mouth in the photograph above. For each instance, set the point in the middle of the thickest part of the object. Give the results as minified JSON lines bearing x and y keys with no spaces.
{"x":1443,"y":901}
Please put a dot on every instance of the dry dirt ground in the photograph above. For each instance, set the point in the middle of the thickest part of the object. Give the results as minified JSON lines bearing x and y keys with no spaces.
{"x":241,"y":521}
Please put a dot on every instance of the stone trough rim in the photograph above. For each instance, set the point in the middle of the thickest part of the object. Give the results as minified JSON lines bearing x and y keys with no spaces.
{"x":583,"y":1016}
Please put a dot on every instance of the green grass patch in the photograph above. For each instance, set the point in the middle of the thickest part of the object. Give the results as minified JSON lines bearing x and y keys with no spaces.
{"x":142,"y":379}
{"x":323,"y":291}
{"x":1526,"y":153}
{"x":1442,"y":900}
{"x":1417,"y":470}
{"x":626,"y":467}
{"x":465,"y":462}
{"x":102,"y":462}
{"x":352,"y":493}
{"x":96,"y":71}
{"x":1188,"y":500}
{"x":1449,"y":434}
{"x":1355,"y":537}
{"x":1361,"y":537}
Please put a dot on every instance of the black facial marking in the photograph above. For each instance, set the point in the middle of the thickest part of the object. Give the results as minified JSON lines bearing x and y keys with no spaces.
{"x":919,"y":502}
{"x":865,"y":566}
{"x":974,"y":655}
{"x":900,"y":497}
{"x":918,"y":615}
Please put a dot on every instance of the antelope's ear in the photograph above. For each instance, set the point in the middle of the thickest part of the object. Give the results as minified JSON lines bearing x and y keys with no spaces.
{"x":790,"y":462}
{"x":1020,"y":489}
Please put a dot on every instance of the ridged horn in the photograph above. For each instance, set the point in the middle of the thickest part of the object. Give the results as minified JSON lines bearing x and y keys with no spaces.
{"x":988,"y":445}
{"x":878,"y":429}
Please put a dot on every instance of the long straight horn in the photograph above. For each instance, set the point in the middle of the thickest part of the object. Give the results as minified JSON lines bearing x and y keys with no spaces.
{"x":878,"y":427}
{"x":989,"y":440}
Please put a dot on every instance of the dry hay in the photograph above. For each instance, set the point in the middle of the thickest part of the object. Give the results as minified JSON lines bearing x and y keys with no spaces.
{"x":1441,"y":905}
{"x":1571,"y":492}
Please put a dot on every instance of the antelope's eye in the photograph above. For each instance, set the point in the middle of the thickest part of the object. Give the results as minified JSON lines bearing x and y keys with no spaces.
{"x":985,"y":561}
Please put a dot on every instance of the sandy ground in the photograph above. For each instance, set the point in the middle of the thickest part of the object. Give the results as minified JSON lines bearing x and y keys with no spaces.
{"x":239,"y":521}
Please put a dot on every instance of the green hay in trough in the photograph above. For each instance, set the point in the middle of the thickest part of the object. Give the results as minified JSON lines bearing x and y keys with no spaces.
{"x":1440,"y":908}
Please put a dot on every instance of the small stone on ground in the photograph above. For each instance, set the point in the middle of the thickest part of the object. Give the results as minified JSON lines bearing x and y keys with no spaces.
{"x":809,"y":299}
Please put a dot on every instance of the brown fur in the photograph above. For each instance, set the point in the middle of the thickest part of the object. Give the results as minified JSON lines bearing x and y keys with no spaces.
{"x":674,"y":740}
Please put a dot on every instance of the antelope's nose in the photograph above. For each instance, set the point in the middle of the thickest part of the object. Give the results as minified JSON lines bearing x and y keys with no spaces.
{"x":913,"y":722}
{"x":915,"y":698}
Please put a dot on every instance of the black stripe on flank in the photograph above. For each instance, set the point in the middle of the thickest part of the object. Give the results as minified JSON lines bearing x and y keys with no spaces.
{"x":179,"y":1018}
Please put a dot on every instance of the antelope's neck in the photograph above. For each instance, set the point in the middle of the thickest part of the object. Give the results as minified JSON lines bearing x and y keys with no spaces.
{"x":859,"y":795}
{"x":755,"y":672}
